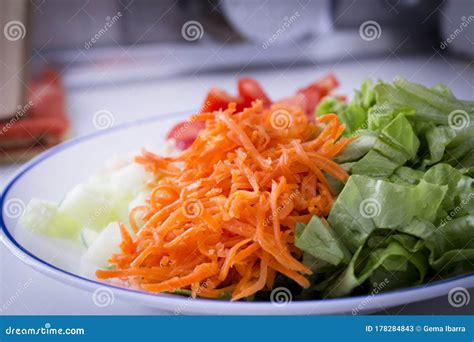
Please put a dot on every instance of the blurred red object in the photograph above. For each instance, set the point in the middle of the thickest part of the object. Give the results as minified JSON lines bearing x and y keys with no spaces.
{"x":40,"y":124}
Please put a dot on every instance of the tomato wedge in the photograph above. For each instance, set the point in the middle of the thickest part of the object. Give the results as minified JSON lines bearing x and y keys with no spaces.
{"x":250,"y":90}
{"x":218,"y":99}
{"x":316,"y":91}
{"x":184,"y":133}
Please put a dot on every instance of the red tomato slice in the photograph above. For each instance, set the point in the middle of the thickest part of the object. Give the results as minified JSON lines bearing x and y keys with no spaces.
{"x":184,"y":133}
{"x":327,"y":84}
{"x":250,"y":90}
{"x":316,"y":91}
{"x":217,"y":99}
{"x":185,"y":130}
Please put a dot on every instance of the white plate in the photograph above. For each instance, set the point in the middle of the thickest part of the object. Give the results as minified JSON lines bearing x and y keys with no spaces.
{"x":52,"y":174}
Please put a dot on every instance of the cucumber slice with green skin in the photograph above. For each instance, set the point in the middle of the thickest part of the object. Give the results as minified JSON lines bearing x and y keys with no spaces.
{"x":88,"y":236}
{"x":107,"y":243}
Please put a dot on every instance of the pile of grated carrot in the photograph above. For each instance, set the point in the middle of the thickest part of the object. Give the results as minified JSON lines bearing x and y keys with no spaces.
{"x":221,"y":216}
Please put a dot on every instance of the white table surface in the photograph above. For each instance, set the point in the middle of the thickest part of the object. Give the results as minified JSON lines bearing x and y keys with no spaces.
{"x":25,"y":291}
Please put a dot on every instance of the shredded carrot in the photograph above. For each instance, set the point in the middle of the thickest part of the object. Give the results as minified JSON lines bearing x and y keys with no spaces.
{"x":221,"y":216}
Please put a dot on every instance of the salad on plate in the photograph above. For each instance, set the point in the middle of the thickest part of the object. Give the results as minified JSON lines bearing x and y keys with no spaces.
{"x":313,"y":193}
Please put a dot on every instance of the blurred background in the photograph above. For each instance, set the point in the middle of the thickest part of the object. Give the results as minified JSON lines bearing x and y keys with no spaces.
{"x":63,"y":62}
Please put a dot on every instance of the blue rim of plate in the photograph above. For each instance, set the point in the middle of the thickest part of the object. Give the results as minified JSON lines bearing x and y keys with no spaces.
{"x":63,"y":146}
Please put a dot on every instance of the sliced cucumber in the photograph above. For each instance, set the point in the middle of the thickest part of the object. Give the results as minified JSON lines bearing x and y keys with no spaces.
{"x":105,"y":244}
{"x":130,"y":180}
{"x":43,"y":217}
{"x":38,"y":215}
{"x":90,"y":205}
{"x":140,"y":199}
{"x":88,"y":236}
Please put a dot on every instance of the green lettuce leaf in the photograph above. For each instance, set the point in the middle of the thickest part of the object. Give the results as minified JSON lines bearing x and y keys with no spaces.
{"x":407,"y":209}
{"x":441,"y":128}
{"x":366,"y":204}
{"x":319,"y":240}
{"x":459,"y":199}
{"x":452,"y":246}
{"x":353,"y":115}
{"x":388,"y":260}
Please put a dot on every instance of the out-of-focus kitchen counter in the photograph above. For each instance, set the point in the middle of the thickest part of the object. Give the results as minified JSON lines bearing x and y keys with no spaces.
{"x":24,"y":291}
